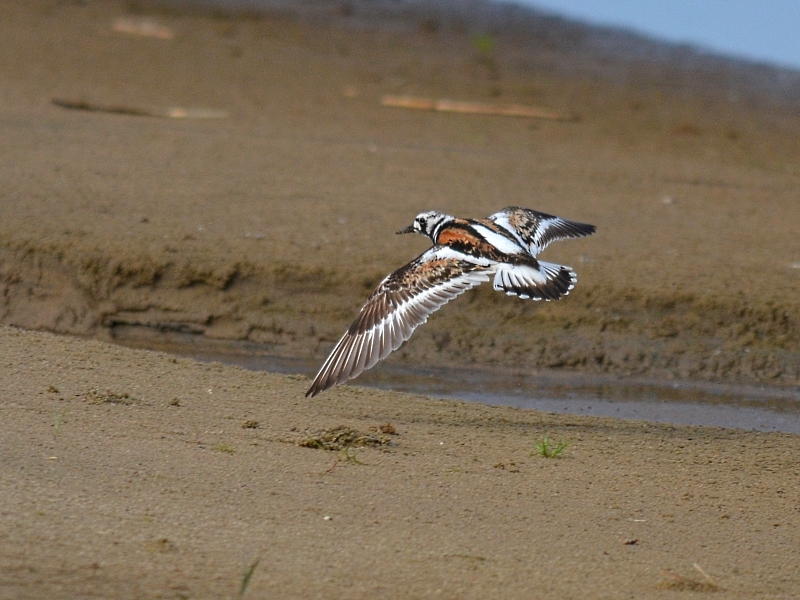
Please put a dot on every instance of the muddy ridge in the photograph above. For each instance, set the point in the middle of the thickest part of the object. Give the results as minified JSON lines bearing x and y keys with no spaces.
{"x":298,"y":312}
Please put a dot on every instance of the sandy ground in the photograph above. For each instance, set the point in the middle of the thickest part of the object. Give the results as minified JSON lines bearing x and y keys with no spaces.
{"x":131,"y":474}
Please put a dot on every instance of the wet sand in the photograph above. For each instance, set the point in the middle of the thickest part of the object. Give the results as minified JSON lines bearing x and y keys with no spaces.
{"x":129,"y":473}
{"x":124,"y":476}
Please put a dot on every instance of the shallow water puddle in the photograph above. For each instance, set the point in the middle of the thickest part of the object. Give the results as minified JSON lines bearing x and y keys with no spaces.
{"x":754,"y":408}
{"x":759,"y":408}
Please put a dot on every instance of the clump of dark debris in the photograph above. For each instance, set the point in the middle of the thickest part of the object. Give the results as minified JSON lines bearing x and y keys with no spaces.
{"x":95,"y":396}
{"x":386,"y":428}
{"x":341,"y":438}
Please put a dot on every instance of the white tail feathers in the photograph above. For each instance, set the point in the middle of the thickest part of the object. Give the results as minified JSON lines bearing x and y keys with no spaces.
{"x":547,"y":282}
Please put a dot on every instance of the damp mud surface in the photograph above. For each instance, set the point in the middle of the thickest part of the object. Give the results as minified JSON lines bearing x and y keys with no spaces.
{"x":235,"y":178}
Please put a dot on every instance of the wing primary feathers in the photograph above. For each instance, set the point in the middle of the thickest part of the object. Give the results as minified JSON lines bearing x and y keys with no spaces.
{"x":401,"y":303}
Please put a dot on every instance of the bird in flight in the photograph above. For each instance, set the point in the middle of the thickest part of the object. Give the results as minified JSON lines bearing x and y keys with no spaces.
{"x":465,"y":253}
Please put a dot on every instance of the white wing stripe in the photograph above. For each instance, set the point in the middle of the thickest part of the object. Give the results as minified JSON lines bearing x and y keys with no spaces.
{"x":445,"y":253}
{"x":364,"y":348}
{"x":502,"y":243}
{"x":502,"y":221}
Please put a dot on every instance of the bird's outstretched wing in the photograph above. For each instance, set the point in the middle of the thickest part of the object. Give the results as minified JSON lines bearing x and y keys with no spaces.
{"x":535,"y":230}
{"x":401,"y":303}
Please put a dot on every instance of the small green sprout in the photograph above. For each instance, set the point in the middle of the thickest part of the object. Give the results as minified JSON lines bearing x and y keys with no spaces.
{"x":224,"y":448}
{"x":545,"y":448}
{"x":484,"y":43}
{"x":246,"y":576}
{"x":59,"y":421}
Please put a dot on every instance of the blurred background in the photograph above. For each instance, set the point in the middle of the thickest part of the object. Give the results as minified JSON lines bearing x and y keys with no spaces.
{"x":232,"y":172}
{"x":756,"y":31}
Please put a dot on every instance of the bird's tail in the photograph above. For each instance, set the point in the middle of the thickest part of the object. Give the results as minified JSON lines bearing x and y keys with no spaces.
{"x":537,"y":281}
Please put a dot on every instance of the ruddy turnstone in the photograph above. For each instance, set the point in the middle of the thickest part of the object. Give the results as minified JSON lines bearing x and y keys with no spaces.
{"x":465,"y":253}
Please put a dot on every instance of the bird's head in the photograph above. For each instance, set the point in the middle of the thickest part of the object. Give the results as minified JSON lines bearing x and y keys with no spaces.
{"x":426,"y":223}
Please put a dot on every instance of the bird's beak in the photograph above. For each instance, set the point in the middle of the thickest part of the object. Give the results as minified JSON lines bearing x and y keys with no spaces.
{"x":409,"y":229}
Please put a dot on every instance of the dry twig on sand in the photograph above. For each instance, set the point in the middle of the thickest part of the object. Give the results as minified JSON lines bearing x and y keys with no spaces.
{"x":674,"y":581}
{"x":475,"y":108}
{"x":143,"y":27}
{"x":170,"y":113}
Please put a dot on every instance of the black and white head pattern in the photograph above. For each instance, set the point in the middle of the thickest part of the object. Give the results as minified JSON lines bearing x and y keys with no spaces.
{"x":428,"y":223}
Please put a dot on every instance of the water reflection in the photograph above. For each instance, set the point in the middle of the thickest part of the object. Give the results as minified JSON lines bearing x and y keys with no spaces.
{"x":760,"y":408}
